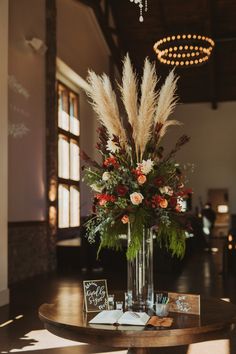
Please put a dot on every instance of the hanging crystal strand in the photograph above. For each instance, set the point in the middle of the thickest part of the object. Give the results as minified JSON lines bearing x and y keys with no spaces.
{"x":140,"y":11}
{"x":140,"y":4}
{"x":146,"y":5}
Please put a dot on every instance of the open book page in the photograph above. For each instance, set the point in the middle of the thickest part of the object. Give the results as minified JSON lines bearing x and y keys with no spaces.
{"x":117,"y":316}
{"x":133,"y":318}
{"x":107,"y":317}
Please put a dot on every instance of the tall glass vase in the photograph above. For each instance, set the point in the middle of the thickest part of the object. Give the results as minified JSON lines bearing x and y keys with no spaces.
{"x":140,"y":287}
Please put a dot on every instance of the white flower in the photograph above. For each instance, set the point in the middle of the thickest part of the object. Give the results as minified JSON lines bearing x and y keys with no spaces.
{"x":112,"y":147}
{"x":136,"y":198}
{"x":106,"y":176}
{"x":166,"y":190}
{"x":96,"y":187}
{"x":146,"y":166}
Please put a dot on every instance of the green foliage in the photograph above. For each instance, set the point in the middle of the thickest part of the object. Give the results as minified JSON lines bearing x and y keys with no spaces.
{"x":172,"y":238}
{"x":136,"y":230}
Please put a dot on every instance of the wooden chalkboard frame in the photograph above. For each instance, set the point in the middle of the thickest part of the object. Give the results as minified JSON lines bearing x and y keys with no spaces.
{"x":184,"y":303}
{"x":88,"y":307}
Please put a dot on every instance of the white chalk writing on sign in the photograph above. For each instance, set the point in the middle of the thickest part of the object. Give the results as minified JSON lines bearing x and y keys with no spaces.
{"x":96,"y":295}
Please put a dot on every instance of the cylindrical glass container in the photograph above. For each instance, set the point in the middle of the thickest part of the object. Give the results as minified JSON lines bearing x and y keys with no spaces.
{"x":140,"y":287}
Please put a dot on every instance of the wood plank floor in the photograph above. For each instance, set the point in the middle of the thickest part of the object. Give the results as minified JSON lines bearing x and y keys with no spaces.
{"x":202,"y":273}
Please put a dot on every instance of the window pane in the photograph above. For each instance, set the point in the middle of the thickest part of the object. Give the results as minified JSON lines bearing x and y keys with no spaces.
{"x":74,"y":161}
{"x":63,"y":116}
{"x":63,"y":206}
{"x":63,"y":157}
{"x":74,"y":125}
{"x":74,"y":207}
{"x":74,"y":121}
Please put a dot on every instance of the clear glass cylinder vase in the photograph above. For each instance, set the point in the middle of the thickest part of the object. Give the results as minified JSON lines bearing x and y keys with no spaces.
{"x":140,"y":288}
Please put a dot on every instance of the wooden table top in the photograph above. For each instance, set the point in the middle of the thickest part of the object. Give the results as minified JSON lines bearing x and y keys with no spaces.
{"x":68,"y":320}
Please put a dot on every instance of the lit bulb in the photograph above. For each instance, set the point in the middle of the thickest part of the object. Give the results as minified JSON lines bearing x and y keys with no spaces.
{"x":173,"y":38}
{"x":172,"y":62}
{"x":180,"y":47}
{"x":184,"y":36}
{"x":185,"y":47}
{"x":230,"y":247}
{"x":175,"y":48}
{"x":178,"y":37}
{"x":189,"y":36}
{"x":181,"y":63}
{"x":230,"y":238}
{"x":140,"y":18}
{"x":168,"y":39}
{"x":177,"y":63}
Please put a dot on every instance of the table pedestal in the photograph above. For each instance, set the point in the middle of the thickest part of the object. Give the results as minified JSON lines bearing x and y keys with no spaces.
{"x":138,"y":351}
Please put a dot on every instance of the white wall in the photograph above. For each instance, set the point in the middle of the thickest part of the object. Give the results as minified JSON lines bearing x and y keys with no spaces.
{"x":4,"y":294}
{"x":81,"y":46}
{"x":27,"y":106}
{"x":212,"y":147}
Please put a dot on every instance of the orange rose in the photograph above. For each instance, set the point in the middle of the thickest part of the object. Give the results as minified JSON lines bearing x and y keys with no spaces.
{"x":163,"y":203}
{"x":136,"y":198}
{"x":141,"y":179}
{"x":125,"y":219}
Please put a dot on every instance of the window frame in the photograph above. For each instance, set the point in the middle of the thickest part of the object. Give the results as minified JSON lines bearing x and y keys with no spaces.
{"x":70,"y":231}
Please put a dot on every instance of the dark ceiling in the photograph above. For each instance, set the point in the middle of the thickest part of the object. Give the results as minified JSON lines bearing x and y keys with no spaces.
{"x":212,"y":82}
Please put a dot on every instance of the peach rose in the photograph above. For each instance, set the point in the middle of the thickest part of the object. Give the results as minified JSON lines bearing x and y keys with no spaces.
{"x":125,"y":219}
{"x":142,"y":179}
{"x":163,"y":203}
{"x":136,"y":198}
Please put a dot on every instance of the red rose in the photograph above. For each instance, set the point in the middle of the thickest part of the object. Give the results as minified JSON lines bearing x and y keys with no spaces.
{"x":137,"y":172}
{"x":121,"y":190}
{"x":173,"y":202}
{"x":159,"y":181}
{"x":111,"y":161}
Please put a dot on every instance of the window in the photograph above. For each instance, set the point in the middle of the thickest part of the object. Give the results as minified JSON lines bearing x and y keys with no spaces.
{"x":68,"y":158}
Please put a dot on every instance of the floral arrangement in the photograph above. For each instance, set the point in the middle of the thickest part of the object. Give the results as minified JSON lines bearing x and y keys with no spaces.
{"x":136,"y":183}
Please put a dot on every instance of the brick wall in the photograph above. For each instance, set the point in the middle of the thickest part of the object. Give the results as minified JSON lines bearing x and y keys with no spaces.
{"x":30,"y":251}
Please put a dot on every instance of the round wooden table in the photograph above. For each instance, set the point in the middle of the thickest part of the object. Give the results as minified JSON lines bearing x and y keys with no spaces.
{"x":68,"y":320}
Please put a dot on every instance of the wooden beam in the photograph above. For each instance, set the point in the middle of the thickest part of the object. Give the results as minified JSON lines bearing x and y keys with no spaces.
{"x":212,"y":8}
{"x":104,"y":25}
{"x":51,"y":119}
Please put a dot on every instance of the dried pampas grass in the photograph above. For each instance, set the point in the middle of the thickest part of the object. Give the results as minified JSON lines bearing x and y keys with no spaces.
{"x":129,"y":95}
{"x":103,"y":100}
{"x":147,"y":106}
{"x":166,"y":103}
{"x":147,"y":118}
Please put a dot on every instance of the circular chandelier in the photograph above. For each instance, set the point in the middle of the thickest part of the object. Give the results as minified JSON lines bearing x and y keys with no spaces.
{"x":184,"y":49}
{"x":141,"y":6}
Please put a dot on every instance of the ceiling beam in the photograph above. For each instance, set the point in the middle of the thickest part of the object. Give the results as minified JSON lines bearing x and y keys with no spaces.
{"x":103,"y":21}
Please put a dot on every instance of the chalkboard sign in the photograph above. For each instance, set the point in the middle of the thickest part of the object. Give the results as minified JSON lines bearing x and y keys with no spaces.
{"x":95,"y":295}
{"x":184,"y":303}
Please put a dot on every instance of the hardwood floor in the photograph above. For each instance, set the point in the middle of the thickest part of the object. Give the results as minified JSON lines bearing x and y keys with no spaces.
{"x":202,"y":273}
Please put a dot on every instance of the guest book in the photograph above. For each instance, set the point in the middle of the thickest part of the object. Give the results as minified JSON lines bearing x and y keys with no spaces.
{"x":121,"y":318}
